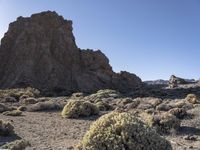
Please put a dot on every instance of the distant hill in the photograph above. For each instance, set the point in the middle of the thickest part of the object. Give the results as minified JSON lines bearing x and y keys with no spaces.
{"x":153,"y":82}
{"x":164,"y":82}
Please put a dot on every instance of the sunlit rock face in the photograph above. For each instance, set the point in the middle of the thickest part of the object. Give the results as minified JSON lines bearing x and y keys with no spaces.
{"x":40,"y":51}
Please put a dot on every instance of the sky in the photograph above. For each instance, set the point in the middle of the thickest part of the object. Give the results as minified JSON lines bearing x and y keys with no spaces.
{"x":151,"y":38}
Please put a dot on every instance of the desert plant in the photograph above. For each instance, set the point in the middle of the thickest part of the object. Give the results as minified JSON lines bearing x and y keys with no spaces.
{"x":44,"y":106}
{"x":164,"y":122}
{"x":163,"y":107}
{"x":178,"y":112}
{"x":9,"y":99}
{"x":102,"y":94}
{"x":29,"y":100}
{"x":17,"y":93}
{"x":16,"y":145}
{"x":4,"y":108}
{"x":103,"y":106}
{"x":192,"y":98}
{"x":13,"y":113}
{"x":22,"y":108}
{"x":77,"y":108}
{"x":6,"y":128}
{"x":121,"y":131}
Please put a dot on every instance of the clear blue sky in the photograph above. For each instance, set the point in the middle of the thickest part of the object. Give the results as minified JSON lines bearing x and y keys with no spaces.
{"x":151,"y":38}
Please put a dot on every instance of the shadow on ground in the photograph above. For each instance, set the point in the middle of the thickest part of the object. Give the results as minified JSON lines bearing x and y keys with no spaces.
{"x":8,"y":139}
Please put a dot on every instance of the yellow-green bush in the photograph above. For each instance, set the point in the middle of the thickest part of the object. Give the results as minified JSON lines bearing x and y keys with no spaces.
{"x":6,"y":128}
{"x":102,"y":94}
{"x":78,"y":108}
{"x":121,"y":131}
{"x":17,"y":93}
{"x":192,"y":98}
{"x":103,"y":106}
{"x":13,"y":113}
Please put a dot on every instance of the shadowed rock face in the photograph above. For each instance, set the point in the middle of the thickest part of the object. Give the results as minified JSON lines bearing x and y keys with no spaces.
{"x":40,"y":51}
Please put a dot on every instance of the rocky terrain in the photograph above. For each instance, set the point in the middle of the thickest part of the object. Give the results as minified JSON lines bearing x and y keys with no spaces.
{"x":42,"y":125}
{"x":56,"y":96}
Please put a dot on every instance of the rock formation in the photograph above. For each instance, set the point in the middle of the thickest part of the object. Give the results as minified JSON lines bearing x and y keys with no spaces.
{"x":40,"y":51}
{"x":174,"y":81}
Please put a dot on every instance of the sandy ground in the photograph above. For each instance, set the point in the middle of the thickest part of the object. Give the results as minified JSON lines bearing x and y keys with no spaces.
{"x":49,"y":131}
{"x":189,"y":127}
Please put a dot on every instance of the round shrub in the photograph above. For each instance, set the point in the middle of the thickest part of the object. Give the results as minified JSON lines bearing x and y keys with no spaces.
{"x":78,"y":108}
{"x":6,"y":128}
{"x":120,"y":131}
{"x":192,"y":98}
{"x":164,"y":122}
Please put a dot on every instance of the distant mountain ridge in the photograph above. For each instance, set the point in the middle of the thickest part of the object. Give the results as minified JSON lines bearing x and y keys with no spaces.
{"x":165,"y":82}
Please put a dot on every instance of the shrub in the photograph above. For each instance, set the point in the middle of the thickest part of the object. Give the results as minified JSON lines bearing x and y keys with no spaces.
{"x":77,"y":108}
{"x":103,"y":106}
{"x":102,"y":94}
{"x":77,"y":96}
{"x":44,"y":106}
{"x":4,"y":108}
{"x":132,"y":105}
{"x":179,"y":104}
{"x":164,"y":122}
{"x":17,"y":93}
{"x":28,"y":101}
{"x":22,"y":108}
{"x":178,"y":112}
{"x":6,"y":128}
{"x":192,"y":98}
{"x":9,"y":99}
{"x":16,"y":145}
{"x":124,"y":101}
{"x":120,"y":131}
{"x":13,"y":113}
{"x":163,"y":107}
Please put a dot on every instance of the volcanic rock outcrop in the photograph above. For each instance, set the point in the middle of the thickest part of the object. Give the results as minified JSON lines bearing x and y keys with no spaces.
{"x":174,"y":81}
{"x":40,"y":51}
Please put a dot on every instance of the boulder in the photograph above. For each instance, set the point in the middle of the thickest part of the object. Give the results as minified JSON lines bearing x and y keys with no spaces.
{"x":40,"y":51}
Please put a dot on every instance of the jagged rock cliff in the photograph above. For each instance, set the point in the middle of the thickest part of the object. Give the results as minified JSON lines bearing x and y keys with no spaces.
{"x":40,"y":51}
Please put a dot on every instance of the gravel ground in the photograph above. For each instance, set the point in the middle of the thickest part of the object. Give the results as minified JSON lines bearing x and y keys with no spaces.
{"x":49,"y":131}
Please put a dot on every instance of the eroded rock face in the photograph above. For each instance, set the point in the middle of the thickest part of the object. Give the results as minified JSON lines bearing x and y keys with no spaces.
{"x":41,"y":52}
